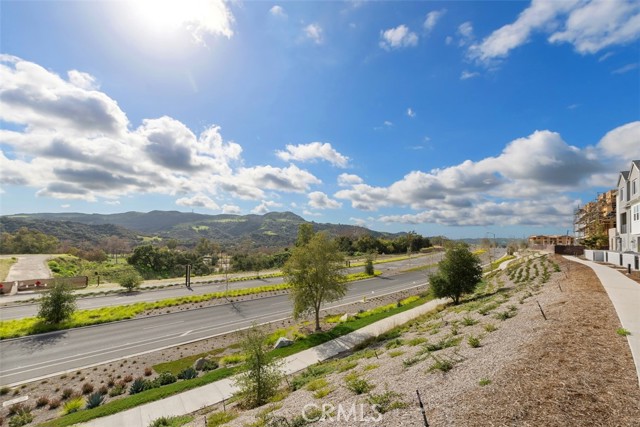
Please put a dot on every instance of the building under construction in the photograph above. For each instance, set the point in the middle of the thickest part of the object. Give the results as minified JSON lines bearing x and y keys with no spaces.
{"x":596,"y":218}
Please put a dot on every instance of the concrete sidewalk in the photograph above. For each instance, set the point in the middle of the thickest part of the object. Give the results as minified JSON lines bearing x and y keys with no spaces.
{"x":211,"y":394}
{"x":624,"y":293}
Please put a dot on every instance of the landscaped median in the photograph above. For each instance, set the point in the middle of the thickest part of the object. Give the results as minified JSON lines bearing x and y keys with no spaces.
{"x":358,"y":321}
{"x":33,"y":325}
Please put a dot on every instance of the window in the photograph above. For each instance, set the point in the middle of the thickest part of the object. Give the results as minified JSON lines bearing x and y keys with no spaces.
{"x":636,"y":213}
{"x":634,"y":187}
{"x":622,"y":194}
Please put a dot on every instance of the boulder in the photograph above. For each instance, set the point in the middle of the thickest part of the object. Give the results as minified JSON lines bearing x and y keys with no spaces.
{"x":344,"y":318}
{"x":283,"y":342}
{"x":199,"y":364}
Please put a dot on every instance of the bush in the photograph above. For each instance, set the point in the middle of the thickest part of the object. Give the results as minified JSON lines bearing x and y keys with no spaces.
{"x":148,"y":372}
{"x":18,"y":408}
{"x":21,"y":418}
{"x":358,"y":385}
{"x":4,"y":390}
{"x":165,"y":378}
{"x":387,"y":401}
{"x":42,"y":401}
{"x":175,"y":421}
{"x":57,"y":305}
{"x":130,"y":280}
{"x":67,"y":393}
{"x":139,"y":385}
{"x":87,"y":388}
{"x":116,"y":390}
{"x":73,"y":405}
{"x":94,"y":400}
{"x":188,"y":374}
{"x":55,"y":403}
{"x":473,"y":341}
{"x":209,"y":365}
{"x":216,"y":419}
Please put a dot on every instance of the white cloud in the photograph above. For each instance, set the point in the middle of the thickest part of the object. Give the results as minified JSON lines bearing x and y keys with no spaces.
{"x":623,"y":142}
{"x":359,"y":221}
{"x":231,"y":209}
{"x":82,"y":80}
{"x":311,"y":213}
{"x":465,"y":33}
{"x":398,"y":37}
{"x":198,"y":201}
{"x":265,"y":206}
{"x":319,"y":200}
{"x":625,"y":69}
{"x":432,"y":19}
{"x":468,"y":75}
{"x":589,"y":25}
{"x":346,"y":180}
{"x":312,"y":152}
{"x":388,"y":123}
{"x":573,"y":106}
{"x":598,"y":24}
{"x":448,"y":40}
{"x":605,"y":56}
{"x":76,"y":143}
{"x":411,"y":113}
{"x":112,"y":202}
{"x":314,"y":32}
{"x":65,"y":206}
{"x":278,"y":11}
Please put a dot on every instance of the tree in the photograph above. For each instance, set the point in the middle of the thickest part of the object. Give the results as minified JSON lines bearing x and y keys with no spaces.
{"x":315,"y":274}
{"x":58,"y":304}
{"x":305,"y":233}
{"x":368,"y":264}
{"x":458,"y":273}
{"x":130,"y":280}
{"x":261,"y":377}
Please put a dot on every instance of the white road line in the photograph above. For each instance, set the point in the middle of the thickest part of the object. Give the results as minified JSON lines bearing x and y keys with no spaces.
{"x":186,"y":333}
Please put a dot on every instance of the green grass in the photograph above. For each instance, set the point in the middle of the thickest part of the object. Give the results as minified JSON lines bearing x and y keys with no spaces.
{"x":495,"y":264}
{"x":216,"y":419}
{"x":484,"y":381}
{"x":623,"y":332}
{"x":420,"y":268}
{"x":176,"y":366}
{"x":5,"y":266}
{"x":175,"y":421}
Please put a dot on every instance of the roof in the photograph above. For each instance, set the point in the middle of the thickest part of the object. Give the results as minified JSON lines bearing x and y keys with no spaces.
{"x":624,"y":175}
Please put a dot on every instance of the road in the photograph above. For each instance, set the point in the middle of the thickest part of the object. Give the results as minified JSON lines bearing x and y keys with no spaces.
{"x":29,"y":267}
{"x":30,"y":358}
{"x":29,"y":310}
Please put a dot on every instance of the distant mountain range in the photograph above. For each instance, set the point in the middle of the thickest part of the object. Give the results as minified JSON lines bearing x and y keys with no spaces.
{"x":274,"y":229}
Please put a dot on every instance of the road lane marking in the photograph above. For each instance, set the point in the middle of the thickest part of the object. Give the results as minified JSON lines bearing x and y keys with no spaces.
{"x":186,"y":333}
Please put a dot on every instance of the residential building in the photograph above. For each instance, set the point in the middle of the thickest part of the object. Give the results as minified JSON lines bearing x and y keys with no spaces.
{"x":596,"y":217}
{"x":626,"y":234}
{"x":563,"y":240}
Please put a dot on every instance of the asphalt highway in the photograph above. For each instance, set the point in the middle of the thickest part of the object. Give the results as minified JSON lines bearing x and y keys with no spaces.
{"x":39,"y":356}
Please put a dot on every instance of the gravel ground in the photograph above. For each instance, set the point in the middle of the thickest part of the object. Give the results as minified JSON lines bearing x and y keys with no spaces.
{"x":572,"y":369}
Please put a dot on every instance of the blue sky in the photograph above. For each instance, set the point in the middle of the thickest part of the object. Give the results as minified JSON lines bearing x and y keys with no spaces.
{"x":454,"y":118}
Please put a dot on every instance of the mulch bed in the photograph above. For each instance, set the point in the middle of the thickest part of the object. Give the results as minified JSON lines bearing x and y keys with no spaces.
{"x":578,"y":373}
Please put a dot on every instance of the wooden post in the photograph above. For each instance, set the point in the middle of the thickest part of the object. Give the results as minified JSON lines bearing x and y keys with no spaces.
{"x":424,"y":414}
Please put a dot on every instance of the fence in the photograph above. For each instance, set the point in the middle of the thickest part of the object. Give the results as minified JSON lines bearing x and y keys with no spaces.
{"x":41,"y":285}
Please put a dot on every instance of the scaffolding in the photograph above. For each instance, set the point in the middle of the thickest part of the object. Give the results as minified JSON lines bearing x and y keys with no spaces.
{"x":596,"y":217}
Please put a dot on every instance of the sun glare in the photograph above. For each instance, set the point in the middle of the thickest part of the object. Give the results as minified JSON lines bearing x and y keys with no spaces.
{"x":168,"y":14}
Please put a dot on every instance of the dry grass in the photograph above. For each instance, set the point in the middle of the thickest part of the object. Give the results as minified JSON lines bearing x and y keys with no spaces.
{"x":578,"y":373}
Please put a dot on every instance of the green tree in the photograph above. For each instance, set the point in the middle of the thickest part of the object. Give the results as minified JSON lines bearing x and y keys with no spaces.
{"x":130,"y":280}
{"x":58,"y":304}
{"x":315,"y":274}
{"x":305,"y":233}
{"x":368,"y":264}
{"x":458,"y":273}
{"x":261,"y":375}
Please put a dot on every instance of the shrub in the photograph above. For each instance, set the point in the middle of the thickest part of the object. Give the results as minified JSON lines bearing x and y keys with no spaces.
{"x":188,"y":374}
{"x":395,"y":353}
{"x":67,"y":393}
{"x":148,"y":372}
{"x":317,"y":384}
{"x":17,"y":408}
{"x":440,"y":364}
{"x":319,"y":394}
{"x":469,"y":321}
{"x":116,"y":390}
{"x":216,"y":419}
{"x":385,"y":402}
{"x":103,"y":390}
{"x":139,"y":385}
{"x":57,"y":305}
{"x":490,"y":327}
{"x":87,"y":388}
{"x":4,"y":390}
{"x":42,"y":401}
{"x":417,"y":341}
{"x":128,"y":378}
{"x":73,"y":405}
{"x":473,"y":341}
{"x":94,"y":400}
{"x":165,"y":378}
{"x":129,"y":280}
{"x":21,"y":418}
{"x":394,"y":343}
{"x":54,"y":403}
{"x":358,"y":385}
{"x":623,"y":332}
{"x":504,"y":315}
{"x":174,"y":421}
{"x":484,"y":381}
